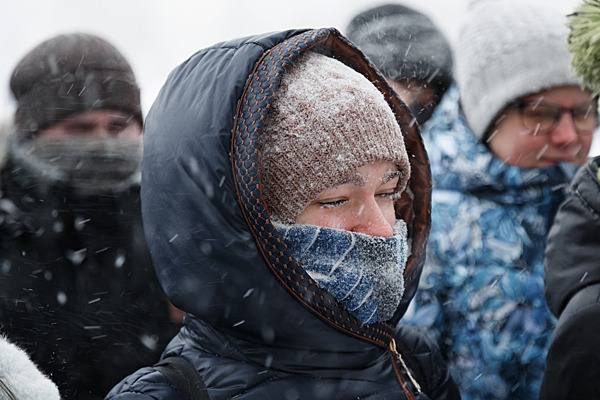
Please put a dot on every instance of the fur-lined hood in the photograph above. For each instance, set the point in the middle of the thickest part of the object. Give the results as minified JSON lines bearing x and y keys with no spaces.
{"x":21,"y":376}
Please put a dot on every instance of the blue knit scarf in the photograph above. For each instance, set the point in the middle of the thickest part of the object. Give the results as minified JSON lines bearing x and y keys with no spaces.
{"x":363,"y":272}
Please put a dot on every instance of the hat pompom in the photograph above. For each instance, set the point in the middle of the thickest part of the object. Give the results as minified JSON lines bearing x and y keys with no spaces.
{"x":584,"y":42}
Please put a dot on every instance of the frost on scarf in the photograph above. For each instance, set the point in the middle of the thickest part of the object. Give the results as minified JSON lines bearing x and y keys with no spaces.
{"x":363,"y":272}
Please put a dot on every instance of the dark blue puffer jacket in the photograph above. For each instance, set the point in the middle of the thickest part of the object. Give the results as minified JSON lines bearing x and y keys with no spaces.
{"x":256,"y":325}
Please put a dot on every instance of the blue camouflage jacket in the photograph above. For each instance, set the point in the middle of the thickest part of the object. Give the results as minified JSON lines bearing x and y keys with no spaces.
{"x":481,"y":294}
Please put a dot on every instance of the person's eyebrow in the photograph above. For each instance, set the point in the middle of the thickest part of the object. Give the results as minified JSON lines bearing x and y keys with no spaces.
{"x":355,"y":179}
{"x":390,"y":175}
{"x":359,"y":180}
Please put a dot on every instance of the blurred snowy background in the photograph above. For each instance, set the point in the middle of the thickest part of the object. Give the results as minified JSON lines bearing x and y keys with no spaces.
{"x":158,"y":35}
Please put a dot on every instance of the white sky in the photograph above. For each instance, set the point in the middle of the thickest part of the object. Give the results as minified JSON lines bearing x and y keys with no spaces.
{"x":155,"y":36}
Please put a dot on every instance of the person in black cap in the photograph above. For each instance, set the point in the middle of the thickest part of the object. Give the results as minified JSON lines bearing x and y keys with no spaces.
{"x":77,"y":287}
{"x":73,"y":74}
{"x":411,"y":52}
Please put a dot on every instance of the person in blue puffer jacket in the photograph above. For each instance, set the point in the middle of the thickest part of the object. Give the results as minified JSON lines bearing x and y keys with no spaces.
{"x":503,"y":145}
{"x":285,"y":199}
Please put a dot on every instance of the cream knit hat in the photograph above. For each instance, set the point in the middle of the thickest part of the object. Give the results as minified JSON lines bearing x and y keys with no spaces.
{"x":508,"y":49}
{"x":326,"y":121}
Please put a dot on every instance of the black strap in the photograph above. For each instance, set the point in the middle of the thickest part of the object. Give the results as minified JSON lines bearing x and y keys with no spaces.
{"x":184,"y":378}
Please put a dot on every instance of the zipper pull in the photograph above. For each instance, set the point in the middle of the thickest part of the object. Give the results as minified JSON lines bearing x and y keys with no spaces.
{"x":399,"y":357}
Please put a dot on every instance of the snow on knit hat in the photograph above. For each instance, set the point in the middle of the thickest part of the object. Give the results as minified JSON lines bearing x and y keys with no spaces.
{"x":508,"y":49}
{"x":404,"y":44}
{"x":72,"y":73}
{"x":326,"y":121}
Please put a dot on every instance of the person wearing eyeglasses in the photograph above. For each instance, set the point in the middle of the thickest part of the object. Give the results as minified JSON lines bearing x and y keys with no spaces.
{"x":503,"y":144}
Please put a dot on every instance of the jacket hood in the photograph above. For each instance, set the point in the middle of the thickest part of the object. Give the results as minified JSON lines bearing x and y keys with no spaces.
{"x":460,"y":162}
{"x":216,"y":253}
{"x":573,"y":248}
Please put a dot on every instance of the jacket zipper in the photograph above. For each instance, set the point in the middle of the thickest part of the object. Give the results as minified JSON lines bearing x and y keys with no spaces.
{"x":398,"y":362}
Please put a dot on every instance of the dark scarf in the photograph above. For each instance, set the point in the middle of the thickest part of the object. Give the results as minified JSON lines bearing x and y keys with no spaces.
{"x":86,"y":165}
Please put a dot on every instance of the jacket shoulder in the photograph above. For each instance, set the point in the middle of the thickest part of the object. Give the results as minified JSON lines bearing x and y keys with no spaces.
{"x":573,"y":360}
{"x":572,"y":251}
{"x":144,"y":384}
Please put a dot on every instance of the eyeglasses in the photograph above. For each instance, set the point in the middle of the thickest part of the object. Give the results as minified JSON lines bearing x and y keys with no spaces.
{"x":542,"y":118}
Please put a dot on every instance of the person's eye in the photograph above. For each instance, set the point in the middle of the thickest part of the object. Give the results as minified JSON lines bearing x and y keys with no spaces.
{"x":331,"y":203}
{"x":391,"y":195}
{"x":117,"y":127}
{"x":582,"y":113}
{"x":541,"y":112}
{"x":78,"y":128}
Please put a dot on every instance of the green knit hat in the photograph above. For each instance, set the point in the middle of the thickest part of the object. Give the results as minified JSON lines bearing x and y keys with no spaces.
{"x":584,"y":42}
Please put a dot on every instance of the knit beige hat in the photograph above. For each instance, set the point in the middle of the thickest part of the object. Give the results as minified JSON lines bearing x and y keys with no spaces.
{"x":326,"y":121}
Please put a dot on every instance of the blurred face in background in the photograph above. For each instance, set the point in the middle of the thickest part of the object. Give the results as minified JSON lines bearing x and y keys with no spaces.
{"x":545,"y":128}
{"x":420,"y":97}
{"x":98,"y":123}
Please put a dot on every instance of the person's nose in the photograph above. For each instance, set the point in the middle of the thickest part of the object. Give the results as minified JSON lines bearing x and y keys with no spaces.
{"x":565,"y":132}
{"x":371,"y":220}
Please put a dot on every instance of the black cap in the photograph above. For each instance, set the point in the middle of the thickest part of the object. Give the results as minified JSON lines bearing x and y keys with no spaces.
{"x":404,"y":44}
{"x":72,"y":73}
